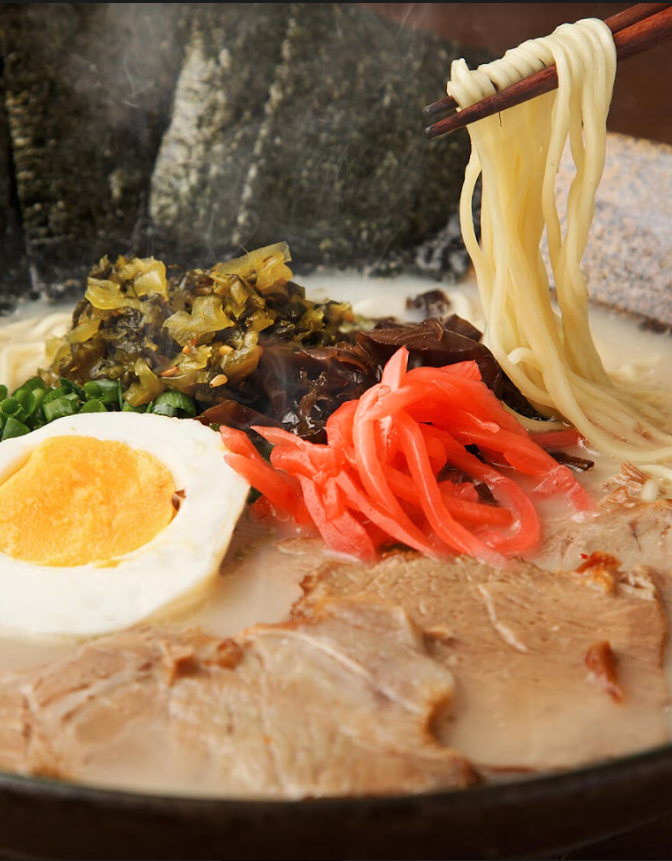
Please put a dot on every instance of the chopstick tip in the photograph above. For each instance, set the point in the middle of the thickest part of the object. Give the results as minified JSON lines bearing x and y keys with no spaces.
{"x":433,"y":109}
{"x":447,"y":103}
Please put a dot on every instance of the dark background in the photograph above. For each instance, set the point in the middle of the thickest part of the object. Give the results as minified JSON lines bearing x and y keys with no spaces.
{"x":642,"y":104}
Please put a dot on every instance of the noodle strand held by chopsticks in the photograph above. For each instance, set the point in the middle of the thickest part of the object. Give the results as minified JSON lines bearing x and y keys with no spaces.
{"x":550,"y":355}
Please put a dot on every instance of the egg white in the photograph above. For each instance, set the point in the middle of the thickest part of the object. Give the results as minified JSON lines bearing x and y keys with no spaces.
{"x":176,"y":566}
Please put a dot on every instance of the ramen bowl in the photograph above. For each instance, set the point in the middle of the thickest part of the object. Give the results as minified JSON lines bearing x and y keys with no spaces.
{"x":628,"y":266}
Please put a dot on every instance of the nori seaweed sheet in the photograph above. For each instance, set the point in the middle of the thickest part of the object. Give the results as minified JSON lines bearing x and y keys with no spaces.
{"x":351,"y":175}
{"x":192,"y":131}
{"x":207,"y":152}
{"x":14,"y":274}
{"x":333,"y":159}
{"x":88,"y":89}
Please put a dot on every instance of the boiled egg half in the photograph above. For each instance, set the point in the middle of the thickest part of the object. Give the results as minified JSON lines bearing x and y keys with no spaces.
{"x":107,"y":519}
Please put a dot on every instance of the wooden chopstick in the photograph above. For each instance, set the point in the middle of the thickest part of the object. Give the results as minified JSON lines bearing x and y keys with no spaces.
{"x":617,"y":22}
{"x":635,"y":30}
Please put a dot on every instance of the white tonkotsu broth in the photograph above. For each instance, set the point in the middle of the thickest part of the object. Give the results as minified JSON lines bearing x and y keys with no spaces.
{"x":23,"y":339}
{"x":260,"y":578}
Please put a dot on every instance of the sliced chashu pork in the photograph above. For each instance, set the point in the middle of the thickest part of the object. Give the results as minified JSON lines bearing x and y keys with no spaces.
{"x":635,"y":534}
{"x":517,"y":642}
{"x":632,"y":532}
{"x":342,"y":703}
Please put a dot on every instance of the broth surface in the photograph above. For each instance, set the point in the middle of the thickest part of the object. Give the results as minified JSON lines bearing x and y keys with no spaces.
{"x":261,"y":575}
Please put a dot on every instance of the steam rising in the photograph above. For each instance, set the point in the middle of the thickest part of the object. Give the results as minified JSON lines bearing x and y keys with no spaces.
{"x":190,"y":130}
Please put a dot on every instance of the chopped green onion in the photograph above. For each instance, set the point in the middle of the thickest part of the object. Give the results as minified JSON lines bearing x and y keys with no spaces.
{"x":11,"y":408}
{"x":94,"y":406}
{"x":92,"y":390}
{"x":30,"y":400}
{"x":165,"y":410}
{"x":109,"y":391}
{"x":35,"y":403}
{"x":127,"y":408}
{"x":26,"y":400}
{"x":14,"y":428}
{"x":106,"y":391}
{"x":174,"y":404}
{"x":38,"y":395}
{"x":72,"y":387}
{"x":59,"y":408}
{"x":31,"y":385}
{"x":54,"y":394}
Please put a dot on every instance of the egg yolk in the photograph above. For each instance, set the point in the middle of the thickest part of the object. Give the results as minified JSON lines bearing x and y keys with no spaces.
{"x":79,"y":500}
